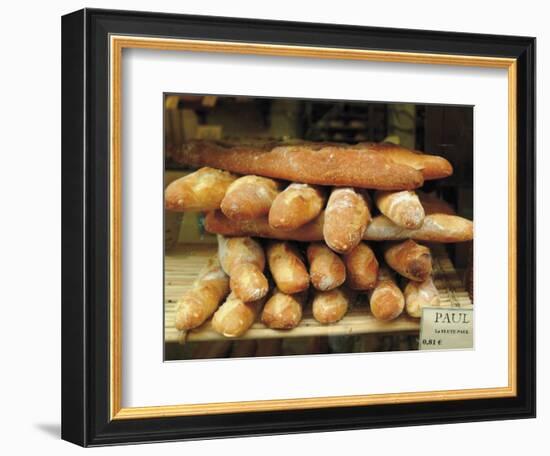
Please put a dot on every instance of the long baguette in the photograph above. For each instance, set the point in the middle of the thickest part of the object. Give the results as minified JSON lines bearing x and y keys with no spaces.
{"x":362,"y":267}
{"x":411,"y":260}
{"x":287,"y":267}
{"x":283,"y":311}
{"x":346,"y":218}
{"x":431,"y":166}
{"x":295,"y":206}
{"x":203,"y":298}
{"x":330,"y":306}
{"x":402,"y":208}
{"x":310,"y":163}
{"x":243,"y":259}
{"x":249,"y":197}
{"x":386,"y":299}
{"x":234,"y":317}
{"x":436,"y":228}
{"x":202,"y":190}
{"x":326,"y":269}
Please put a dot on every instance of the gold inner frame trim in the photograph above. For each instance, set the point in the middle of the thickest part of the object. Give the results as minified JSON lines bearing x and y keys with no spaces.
{"x":117,"y":44}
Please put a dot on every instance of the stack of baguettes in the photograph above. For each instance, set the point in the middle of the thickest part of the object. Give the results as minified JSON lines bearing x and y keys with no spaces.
{"x":315,"y":204}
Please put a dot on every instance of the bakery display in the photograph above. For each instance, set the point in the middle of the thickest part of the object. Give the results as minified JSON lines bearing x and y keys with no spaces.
{"x":311,"y":229}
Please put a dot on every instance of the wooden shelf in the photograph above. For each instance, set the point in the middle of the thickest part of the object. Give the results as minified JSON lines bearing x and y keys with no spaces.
{"x":183,"y":263}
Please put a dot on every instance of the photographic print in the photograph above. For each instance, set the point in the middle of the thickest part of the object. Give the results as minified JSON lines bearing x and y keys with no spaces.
{"x":308,"y":226}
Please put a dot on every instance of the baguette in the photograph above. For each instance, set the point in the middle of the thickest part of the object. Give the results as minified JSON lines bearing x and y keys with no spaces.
{"x":202,"y":190}
{"x":235,"y":317}
{"x":243,"y":259}
{"x":310,"y":163}
{"x":386,"y":299}
{"x":419,"y":295}
{"x":431,"y":166}
{"x":402,"y":208}
{"x":411,"y":260}
{"x":362,"y":268}
{"x":295,"y":206}
{"x":283,"y":311}
{"x":287,"y":268}
{"x":249,"y":197}
{"x":346,"y":218}
{"x":203,"y":298}
{"x":436,"y":228}
{"x":330,"y":306}
{"x":326,"y":269}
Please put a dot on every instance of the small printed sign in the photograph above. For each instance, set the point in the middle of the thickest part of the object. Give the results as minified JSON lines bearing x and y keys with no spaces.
{"x":446,"y":328}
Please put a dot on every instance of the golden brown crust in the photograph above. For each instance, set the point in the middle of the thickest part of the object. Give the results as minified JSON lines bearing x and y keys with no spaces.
{"x":199,"y":302}
{"x":326,"y":269}
{"x":248,"y":282}
{"x":411,"y":260}
{"x":249,"y":198}
{"x":431,"y":166}
{"x":403,"y":208}
{"x":243,"y":259}
{"x":346,"y":218}
{"x":322,"y":164}
{"x":436,"y":228}
{"x":283,"y":311}
{"x":234,"y":317}
{"x":386,"y":300}
{"x":330,"y":306}
{"x":362,"y":268}
{"x":287,"y":267}
{"x":295,"y":206}
{"x":202,"y":190}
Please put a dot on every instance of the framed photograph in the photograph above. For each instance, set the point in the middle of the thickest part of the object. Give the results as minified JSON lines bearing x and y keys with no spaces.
{"x":278,"y":227}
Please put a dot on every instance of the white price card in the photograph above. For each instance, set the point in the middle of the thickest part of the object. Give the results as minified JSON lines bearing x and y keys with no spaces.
{"x":446,"y":328}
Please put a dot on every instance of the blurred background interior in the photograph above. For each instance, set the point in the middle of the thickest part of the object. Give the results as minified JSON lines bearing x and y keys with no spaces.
{"x":434,"y":129}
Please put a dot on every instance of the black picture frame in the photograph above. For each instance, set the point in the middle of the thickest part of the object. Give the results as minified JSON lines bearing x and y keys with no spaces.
{"x":85,"y":225}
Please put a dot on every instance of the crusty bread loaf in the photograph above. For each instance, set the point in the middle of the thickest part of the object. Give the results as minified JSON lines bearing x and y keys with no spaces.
{"x":202,"y":190}
{"x":436,"y":228}
{"x":386,"y":299}
{"x":234,"y":317}
{"x":243,"y":259}
{"x":287,"y":267}
{"x":249,"y":197}
{"x":295,"y":206}
{"x":431,"y":166}
{"x":419,"y":295}
{"x":283,"y":311}
{"x":322,"y":164}
{"x":346,"y":218}
{"x":362,"y":268}
{"x":199,"y":302}
{"x":403,"y":208}
{"x":326,"y":269}
{"x":330,"y":306}
{"x":411,"y":260}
